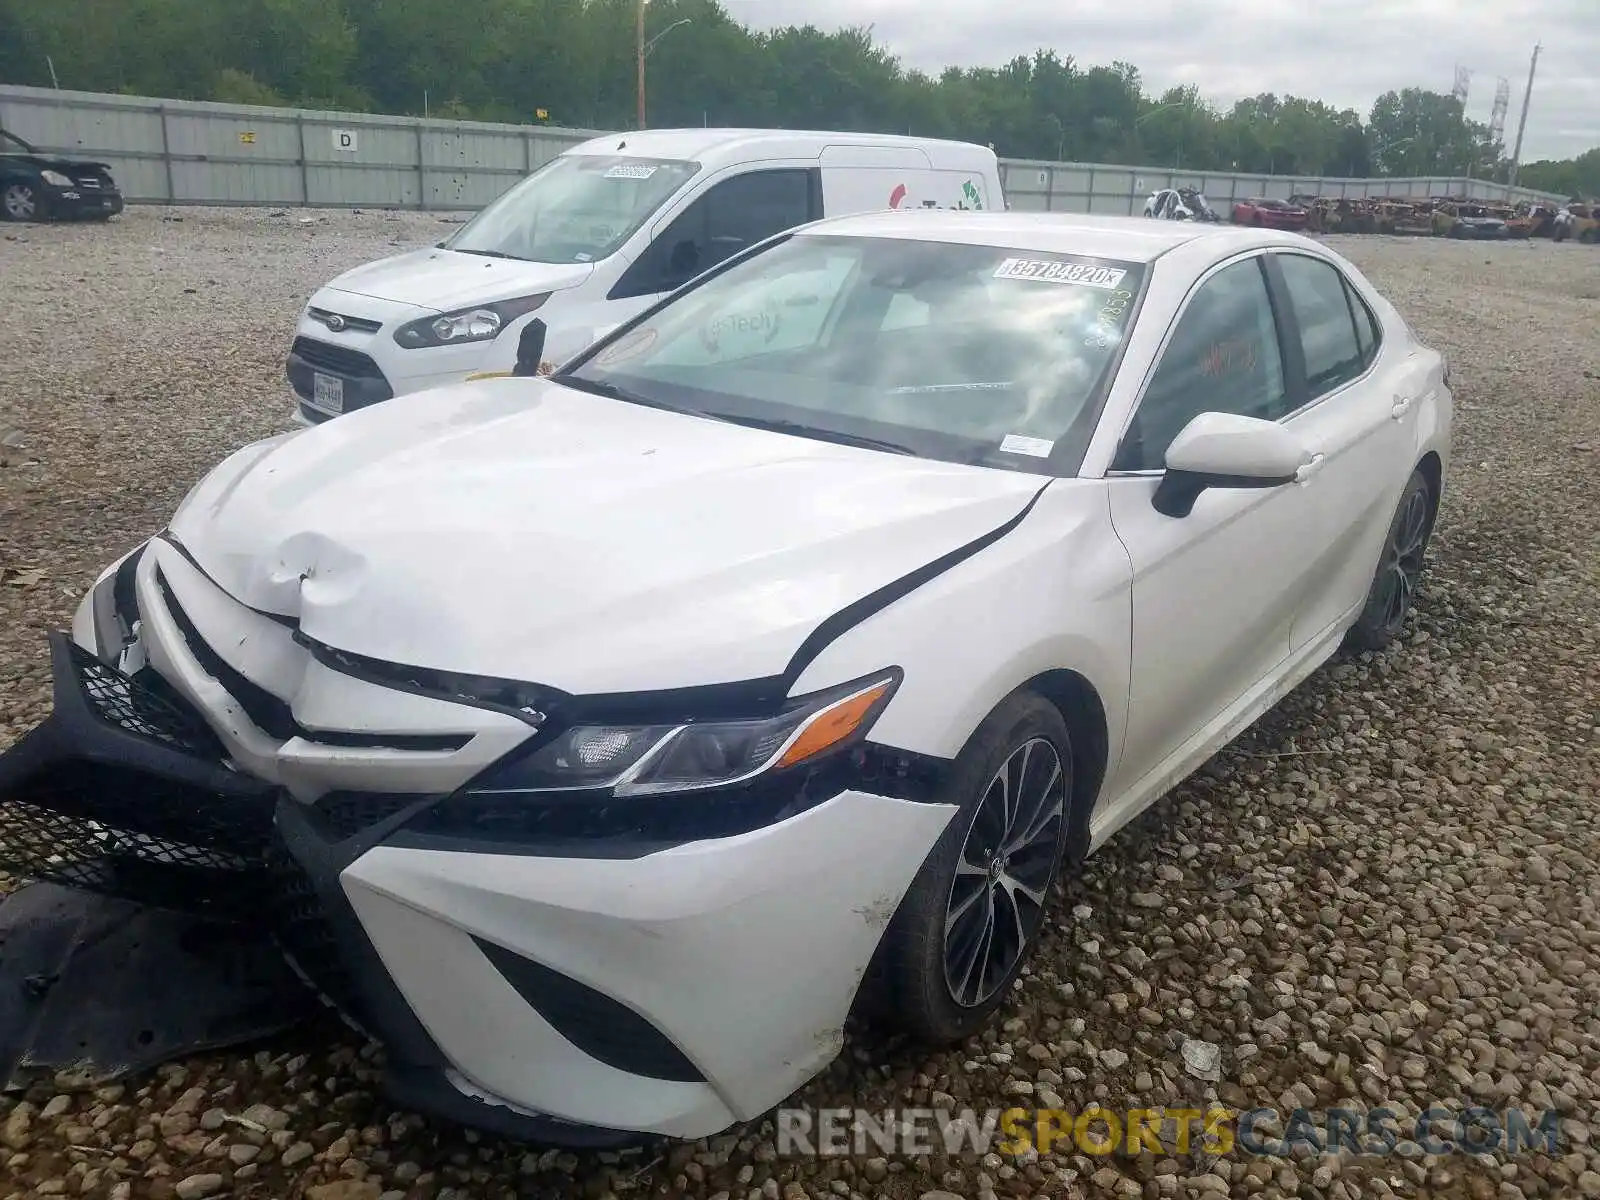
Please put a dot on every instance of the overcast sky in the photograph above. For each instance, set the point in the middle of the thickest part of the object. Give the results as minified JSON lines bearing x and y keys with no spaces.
{"x":1345,"y":53}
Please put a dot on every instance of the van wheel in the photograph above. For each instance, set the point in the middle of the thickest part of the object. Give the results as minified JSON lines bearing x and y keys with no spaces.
{"x":972,"y":916}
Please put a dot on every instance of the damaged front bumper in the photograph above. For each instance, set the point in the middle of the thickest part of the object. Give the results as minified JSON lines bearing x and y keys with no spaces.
{"x":548,"y":991}
{"x":124,"y":793}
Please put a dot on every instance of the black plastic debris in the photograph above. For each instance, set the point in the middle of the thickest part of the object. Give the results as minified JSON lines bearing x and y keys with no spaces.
{"x":101,"y":988}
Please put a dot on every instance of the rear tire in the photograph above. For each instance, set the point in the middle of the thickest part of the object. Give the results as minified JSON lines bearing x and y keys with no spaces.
{"x":1394,"y":586}
{"x":972,"y":916}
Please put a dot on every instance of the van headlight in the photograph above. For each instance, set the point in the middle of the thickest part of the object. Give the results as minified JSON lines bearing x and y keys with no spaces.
{"x":480,"y":323}
{"x":645,"y":760}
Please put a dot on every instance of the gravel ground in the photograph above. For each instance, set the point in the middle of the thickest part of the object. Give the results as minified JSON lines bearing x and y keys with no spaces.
{"x":1385,"y":893}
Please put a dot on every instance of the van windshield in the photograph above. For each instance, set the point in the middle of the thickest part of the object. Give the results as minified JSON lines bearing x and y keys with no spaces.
{"x":988,"y":355}
{"x":576,"y":208}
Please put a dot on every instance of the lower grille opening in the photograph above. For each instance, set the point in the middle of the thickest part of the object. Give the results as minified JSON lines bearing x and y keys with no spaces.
{"x":340,"y":359}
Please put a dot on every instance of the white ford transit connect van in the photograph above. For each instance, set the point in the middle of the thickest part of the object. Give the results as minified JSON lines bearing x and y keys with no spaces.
{"x":595,"y":236}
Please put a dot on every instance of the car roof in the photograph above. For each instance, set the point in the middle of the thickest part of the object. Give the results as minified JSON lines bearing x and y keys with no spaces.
{"x":694,"y":144}
{"x":1130,"y":239}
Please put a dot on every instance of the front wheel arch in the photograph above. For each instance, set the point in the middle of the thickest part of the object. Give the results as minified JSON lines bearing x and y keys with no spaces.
{"x":906,"y":984}
{"x":1085,"y":714}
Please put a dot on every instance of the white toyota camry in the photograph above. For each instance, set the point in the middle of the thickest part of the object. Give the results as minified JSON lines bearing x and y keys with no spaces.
{"x":601,"y":740}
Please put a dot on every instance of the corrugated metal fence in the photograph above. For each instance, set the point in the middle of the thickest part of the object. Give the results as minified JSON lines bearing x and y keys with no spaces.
{"x":191,"y":152}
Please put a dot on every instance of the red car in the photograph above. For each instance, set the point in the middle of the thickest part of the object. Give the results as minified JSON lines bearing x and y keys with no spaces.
{"x":1273,"y":214}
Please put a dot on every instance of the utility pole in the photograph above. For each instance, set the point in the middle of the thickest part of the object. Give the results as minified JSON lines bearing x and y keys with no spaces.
{"x":639,"y":39}
{"x":1522,"y":121}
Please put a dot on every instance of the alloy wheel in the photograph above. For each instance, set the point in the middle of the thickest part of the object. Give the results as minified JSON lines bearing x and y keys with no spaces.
{"x":1402,"y":560}
{"x":20,"y":202}
{"x":997,"y":898}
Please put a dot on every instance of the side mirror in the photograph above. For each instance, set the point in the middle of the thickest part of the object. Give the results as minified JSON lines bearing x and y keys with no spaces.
{"x":683,"y":263}
{"x":530,"y":348}
{"x":1227,"y":451}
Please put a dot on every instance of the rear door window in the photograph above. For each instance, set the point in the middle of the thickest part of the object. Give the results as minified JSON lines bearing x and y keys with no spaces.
{"x":1328,"y":336}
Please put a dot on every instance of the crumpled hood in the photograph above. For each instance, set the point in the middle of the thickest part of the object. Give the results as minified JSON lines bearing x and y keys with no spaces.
{"x":521,"y":529}
{"x":442,"y":280}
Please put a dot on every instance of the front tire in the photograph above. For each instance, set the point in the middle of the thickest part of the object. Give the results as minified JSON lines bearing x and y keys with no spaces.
{"x":972,"y":916}
{"x":20,"y":201}
{"x":1399,"y":574}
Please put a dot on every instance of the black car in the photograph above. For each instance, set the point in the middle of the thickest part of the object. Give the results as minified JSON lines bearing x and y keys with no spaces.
{"x":39,"y":187}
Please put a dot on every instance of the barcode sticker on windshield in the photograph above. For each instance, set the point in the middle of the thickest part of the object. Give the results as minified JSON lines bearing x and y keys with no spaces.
{"x":1046,"y":270}
{"x":631,"y":171}
{"x":1016,"y":443}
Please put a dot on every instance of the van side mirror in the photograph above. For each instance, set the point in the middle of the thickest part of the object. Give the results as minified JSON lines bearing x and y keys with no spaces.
{"x":683,"y":263}
{"x":1225,"y":450}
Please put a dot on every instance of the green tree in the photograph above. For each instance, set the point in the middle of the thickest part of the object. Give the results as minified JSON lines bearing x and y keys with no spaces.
{"x":506,"y":59}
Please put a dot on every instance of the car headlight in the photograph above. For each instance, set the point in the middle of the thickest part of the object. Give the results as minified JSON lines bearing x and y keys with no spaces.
{"x":55,"y":179}
{"x":644,"y":760}
{"x":480,"y":323}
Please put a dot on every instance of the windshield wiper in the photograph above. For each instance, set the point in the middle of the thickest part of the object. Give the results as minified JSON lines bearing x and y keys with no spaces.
{"x":778,"y":425}
{"x":487,"y":253}
{"x":611,"y":391}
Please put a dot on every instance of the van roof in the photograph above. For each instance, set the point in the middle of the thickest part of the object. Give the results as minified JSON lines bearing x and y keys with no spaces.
{"x":733,"y":143}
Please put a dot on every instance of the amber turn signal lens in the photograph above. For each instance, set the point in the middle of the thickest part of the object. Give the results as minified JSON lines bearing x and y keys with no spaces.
{"x":833,"y":725}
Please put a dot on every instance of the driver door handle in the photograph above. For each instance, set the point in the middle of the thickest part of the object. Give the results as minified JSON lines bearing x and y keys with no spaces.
{"x":1304,"y":473}
{"x":1402,"y":405}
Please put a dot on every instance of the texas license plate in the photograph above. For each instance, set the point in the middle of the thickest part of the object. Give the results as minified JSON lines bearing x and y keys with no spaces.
{"x":327,"y":392}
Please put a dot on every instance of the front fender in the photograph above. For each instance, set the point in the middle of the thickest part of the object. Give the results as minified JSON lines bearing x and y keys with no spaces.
{"x":1053,"y":594}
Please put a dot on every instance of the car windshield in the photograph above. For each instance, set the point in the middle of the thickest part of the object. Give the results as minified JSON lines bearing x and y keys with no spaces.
{"x":575,"y":209}
{"x":975,"y":354}
{"x":10,"y":143}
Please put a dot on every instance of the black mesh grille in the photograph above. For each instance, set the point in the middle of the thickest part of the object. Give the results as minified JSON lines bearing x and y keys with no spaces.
{"x":345,"y":814}
{"x":130,"y":704}
{"x":126,"y":830}
{"x":165,"y":845}
{"x":339,"y":359}
{"x":300,"y":923}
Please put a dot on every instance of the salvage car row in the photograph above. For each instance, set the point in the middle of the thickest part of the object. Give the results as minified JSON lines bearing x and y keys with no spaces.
{"x":1436,"y":216}
{"x":552,"y":720}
